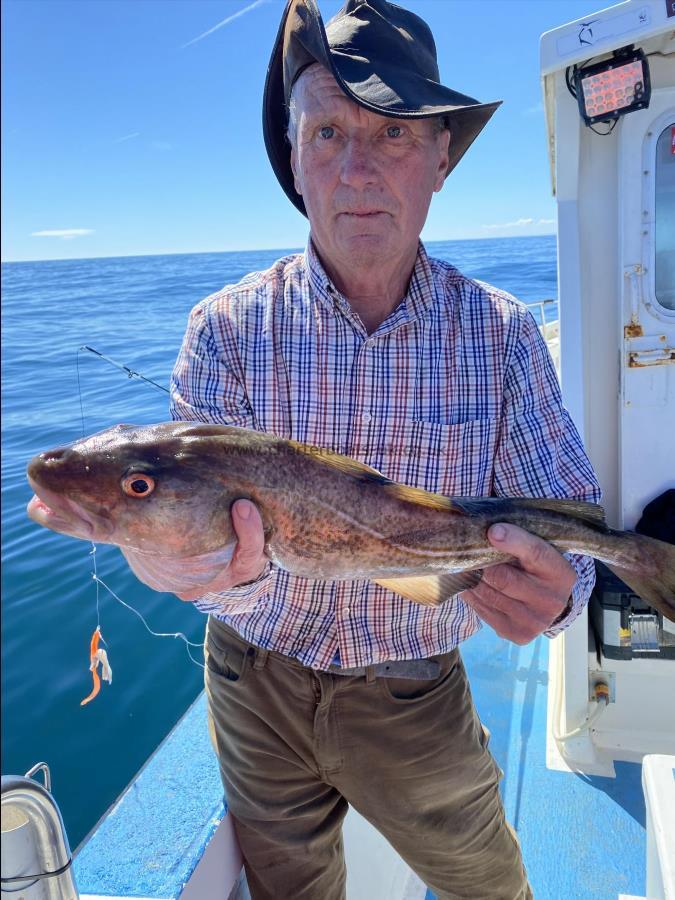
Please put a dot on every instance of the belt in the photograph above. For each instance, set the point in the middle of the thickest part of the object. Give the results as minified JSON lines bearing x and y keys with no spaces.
{"x":416,"y":669}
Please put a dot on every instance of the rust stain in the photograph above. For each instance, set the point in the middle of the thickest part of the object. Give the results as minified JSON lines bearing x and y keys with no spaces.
{"x":633,"y":330}
{"x":639,"y":360}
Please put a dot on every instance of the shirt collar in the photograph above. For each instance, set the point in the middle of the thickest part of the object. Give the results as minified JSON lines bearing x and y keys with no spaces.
{"x":422,"y":290}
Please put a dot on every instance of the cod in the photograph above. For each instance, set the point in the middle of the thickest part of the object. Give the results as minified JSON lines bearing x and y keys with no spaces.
{"x":163,"y":494}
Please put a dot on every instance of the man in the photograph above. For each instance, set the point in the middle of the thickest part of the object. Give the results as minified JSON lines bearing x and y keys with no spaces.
{"x":328,"y":693}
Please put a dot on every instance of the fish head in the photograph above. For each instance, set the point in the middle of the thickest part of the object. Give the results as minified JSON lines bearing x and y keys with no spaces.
{"x":152,"y":488}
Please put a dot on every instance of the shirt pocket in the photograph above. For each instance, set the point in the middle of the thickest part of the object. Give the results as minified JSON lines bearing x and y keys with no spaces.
{"x":454,"y":460}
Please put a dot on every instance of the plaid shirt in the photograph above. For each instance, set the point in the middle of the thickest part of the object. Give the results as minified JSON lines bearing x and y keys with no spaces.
{"x":455,"y":392}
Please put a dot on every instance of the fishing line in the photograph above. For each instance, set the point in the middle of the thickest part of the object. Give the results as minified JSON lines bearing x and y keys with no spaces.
{"x":79,"y":389}
{"x":94,"y":574}
{"x":176,"y":634}
{"x":92,"y":552}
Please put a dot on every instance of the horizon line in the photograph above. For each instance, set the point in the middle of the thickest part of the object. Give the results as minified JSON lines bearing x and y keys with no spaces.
{"x":500,"y":237}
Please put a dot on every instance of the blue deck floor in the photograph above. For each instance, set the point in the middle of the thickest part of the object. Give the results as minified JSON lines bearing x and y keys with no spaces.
{"x":583,"y":837}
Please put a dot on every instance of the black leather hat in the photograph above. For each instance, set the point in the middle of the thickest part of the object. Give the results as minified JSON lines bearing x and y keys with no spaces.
{"x":382,"y":56}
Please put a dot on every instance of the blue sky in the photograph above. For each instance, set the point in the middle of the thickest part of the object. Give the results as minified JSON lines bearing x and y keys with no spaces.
{"x":133,"y":126}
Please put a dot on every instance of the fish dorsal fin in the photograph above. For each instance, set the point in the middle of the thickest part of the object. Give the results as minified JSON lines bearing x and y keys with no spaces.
{"x":431,"y":590}
{"x":592,"y":513}
{"x":344,"y":464}
{"x":363,"y":472}
{"x":420,"y":497}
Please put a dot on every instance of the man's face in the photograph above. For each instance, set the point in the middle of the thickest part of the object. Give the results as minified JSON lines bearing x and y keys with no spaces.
{"x":367,"y":180}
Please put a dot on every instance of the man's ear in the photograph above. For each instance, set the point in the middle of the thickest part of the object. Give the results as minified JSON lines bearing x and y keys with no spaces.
{"x":444,"y":139}
{"x":294,"y":169}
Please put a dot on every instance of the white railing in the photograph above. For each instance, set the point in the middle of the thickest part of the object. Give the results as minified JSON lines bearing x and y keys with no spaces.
{"x":549,"y":329}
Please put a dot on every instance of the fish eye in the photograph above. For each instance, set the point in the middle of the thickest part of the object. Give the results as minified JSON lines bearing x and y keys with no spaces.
{"x":138,"y":484}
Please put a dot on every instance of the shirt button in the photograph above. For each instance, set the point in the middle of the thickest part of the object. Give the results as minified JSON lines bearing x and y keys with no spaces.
{"x":366,"y":417}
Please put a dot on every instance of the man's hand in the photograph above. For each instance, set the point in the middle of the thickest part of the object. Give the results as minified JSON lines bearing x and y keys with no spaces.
{"x":521,"y":599}
{"x":218,"y":571}
{"x":248,"y":559}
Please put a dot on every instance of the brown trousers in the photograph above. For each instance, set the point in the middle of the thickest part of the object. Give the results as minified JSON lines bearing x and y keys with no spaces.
{"x":296,"y":746}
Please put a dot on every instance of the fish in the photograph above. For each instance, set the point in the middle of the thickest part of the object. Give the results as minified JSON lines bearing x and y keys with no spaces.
{"x":163,"y":493}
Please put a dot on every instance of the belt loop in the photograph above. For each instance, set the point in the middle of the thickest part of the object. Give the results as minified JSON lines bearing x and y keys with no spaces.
{"x":261,"y":655}
{"x":370,"y":674}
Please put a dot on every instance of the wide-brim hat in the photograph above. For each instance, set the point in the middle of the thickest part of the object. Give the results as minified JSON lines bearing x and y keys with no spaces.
{"x":382,"y":56}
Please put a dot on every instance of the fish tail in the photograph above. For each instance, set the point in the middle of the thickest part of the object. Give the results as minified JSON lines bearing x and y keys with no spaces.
{"x":650,"y":573}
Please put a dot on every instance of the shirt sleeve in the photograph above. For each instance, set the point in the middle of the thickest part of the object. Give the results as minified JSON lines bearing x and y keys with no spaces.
{"x":207,"y":386}
{"x":241,"y":599}
{"x":540,"y":453}
{"x":207,"y":382}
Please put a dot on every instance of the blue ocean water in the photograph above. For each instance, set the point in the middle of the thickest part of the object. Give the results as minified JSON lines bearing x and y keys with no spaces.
{"x":133,"y":310}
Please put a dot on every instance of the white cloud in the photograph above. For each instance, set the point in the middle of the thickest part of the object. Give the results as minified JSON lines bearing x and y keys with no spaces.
{"x":535,"y":110}
{"x":226,"y":21}
{"x":127,"y":137}
{"x":160,"y":145}
{"x":65,"y":234}
{"x":523,"y":226}
{"x":519,"y":223}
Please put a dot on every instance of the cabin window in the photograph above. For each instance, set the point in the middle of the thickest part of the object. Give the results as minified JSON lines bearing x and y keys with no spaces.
{"x":664,"y":263}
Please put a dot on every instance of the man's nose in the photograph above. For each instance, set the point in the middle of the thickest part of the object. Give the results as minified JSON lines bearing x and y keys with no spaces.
{"x":359,"y":166}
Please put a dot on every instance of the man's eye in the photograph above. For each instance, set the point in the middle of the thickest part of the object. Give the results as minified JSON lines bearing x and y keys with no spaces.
{"x":394,"y":131}
{"x":326,"y":132}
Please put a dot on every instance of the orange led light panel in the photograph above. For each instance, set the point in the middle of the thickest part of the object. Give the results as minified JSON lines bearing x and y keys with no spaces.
{"x":613,"y":89}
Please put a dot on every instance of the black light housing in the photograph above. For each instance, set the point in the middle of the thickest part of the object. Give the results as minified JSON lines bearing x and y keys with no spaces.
{"x":614,"y":87}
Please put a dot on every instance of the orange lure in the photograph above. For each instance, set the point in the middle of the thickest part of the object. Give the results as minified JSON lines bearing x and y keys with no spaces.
{"x":97,"y":656}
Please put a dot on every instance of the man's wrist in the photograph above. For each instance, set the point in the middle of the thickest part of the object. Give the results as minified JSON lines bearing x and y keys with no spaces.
{"x":264,"y":572}
{"x":564,"y":614}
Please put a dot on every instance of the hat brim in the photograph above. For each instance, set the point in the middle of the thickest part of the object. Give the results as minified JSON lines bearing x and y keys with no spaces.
{"x":466,"y":117}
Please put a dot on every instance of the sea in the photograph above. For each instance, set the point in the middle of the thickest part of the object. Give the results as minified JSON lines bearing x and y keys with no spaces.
{"x":133,"y":311}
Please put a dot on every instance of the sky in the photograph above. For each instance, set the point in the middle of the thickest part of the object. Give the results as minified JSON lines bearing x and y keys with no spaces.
{"x":133,"y":127}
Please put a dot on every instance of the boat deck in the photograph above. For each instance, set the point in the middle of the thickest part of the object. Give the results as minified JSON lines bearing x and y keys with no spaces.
{"x":583,"y":837}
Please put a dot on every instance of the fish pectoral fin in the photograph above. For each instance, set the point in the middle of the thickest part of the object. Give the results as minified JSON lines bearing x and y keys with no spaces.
{"x":431,"y":590}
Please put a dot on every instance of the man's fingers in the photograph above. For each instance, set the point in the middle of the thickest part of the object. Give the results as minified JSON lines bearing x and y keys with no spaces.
{"x":505,"y":624}
{"x":248,"y":527}
{"x":521,"y":613}
{"x":248,"y":560}
{"x":535,"y":555}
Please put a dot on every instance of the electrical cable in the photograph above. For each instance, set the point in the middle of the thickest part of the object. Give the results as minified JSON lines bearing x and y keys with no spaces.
{"x":601,"y":697}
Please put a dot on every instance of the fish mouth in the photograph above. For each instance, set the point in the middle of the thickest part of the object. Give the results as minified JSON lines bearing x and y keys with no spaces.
{"x":58,"y":513}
